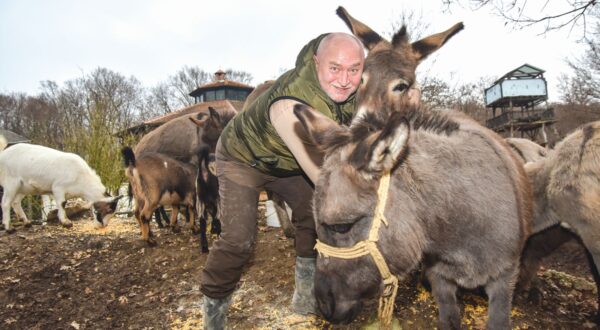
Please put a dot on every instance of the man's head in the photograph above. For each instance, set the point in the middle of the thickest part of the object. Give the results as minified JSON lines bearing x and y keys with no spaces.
{"x":339,"y":61}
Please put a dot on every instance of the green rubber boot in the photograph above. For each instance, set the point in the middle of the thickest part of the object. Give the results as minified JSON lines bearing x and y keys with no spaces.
{"x":214,"y":312}
{"x":303,"y":301}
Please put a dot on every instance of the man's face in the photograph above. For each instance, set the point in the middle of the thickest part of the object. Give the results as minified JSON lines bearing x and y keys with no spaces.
{"x":339,"y":69}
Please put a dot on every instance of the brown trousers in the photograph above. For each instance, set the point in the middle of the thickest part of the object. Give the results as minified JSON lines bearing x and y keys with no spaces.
{"x":239,"y":188}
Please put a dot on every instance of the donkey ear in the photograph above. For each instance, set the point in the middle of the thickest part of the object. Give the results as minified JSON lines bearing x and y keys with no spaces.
{"x":319,"y":127}
{"x":391,"y":145}
{"x":400,"y":38}
{"x":428,"y":45}
{"x":368,"y":37}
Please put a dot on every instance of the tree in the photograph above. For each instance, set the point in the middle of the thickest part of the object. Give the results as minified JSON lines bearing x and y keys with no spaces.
{"x":173,"y":93}
{"x":582,"y":87}
{"x":551,"y":15}
{"x":90,"y":110}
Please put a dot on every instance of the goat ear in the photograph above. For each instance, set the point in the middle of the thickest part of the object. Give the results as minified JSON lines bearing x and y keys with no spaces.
{"x":200,"y":119}
{"x":391,"y":145}
{"x":319,"y":127}
{"x":430,"y":44}
{"x":214,"y":115}
{"x":367,"y":36}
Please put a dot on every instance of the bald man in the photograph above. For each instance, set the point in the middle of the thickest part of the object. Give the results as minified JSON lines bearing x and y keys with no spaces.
{"x":265,"y":147}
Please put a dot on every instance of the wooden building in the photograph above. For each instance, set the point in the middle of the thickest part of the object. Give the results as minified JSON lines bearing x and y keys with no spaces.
{"x":12,"y":137}
{"x":220,"y":93}
{"x":518,"y":101}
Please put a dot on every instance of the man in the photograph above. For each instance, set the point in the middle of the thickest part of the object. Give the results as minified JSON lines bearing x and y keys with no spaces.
{"x":265,"y":147}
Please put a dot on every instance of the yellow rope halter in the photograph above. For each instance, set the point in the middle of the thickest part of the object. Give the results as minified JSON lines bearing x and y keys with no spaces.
{"x":368,"y":247}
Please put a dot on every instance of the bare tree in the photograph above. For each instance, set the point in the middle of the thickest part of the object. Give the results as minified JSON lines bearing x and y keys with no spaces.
{"x":173,"y":93}
{"x":90,"y":110}
{"x":551,"y":15}
{"x":582,"y":86}
{"x":414,"y":22}
{"x":239,"y":76}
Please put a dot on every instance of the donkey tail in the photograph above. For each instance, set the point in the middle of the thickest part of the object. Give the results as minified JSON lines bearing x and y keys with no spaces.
{"x":128,"y":157}
{"x":3,"y":142}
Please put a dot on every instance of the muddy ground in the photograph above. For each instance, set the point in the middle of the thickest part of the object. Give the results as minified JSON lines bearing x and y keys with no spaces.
{"x":86,"y":278}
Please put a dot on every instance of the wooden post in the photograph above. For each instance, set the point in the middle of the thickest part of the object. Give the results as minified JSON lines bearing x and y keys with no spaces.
{"x":544,"y":136}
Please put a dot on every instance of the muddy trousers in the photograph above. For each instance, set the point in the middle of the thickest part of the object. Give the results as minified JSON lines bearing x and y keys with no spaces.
{"x":239,"y":188}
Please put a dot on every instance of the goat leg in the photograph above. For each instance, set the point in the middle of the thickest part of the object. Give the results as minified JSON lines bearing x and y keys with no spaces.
{"x":174,"y":213}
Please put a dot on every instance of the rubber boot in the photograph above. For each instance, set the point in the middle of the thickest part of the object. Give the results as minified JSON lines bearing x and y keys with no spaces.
{"x":214,"y":312}
{"x":303,"y":301}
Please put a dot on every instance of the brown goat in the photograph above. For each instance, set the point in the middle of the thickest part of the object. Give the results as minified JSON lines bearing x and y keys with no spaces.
{"x":184,"y":139}
{"x":158,"y":180}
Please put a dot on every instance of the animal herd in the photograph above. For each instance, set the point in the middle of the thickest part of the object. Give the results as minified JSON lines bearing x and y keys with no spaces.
{"x":469,"y":208}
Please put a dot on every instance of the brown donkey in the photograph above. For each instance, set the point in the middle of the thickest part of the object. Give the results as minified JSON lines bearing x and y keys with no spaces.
{"x":417,"y":189}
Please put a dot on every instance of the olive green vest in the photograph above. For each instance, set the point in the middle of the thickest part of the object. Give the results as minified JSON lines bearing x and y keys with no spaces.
{"x":251,"y":138}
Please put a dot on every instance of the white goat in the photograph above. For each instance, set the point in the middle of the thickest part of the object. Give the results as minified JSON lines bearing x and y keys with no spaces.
{"x":28,"y":169}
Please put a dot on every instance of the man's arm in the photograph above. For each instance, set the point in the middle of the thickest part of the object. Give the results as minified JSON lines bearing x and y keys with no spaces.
{"x":295,"y":137}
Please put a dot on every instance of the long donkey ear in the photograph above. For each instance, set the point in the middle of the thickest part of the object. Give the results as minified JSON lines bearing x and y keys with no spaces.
{"x":320,"y":128}
{"x":368,"y":37}
{"x":391,"y":145}
{"x":430,"y":44}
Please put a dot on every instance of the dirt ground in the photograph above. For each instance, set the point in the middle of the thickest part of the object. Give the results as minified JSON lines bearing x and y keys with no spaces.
{"x":86,"y":278}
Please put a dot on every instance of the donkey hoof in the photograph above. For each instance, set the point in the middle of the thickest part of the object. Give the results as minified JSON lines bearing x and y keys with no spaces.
{"x":176,"y":229}
{"x":67,"y":224}
{"x":204,"y":249}
{"x":151,"y":242}
{"x":11,"y":230}
{"x":27,"y":225}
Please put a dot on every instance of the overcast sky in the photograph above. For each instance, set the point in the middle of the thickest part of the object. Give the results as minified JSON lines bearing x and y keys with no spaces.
{"x":65,"y":39}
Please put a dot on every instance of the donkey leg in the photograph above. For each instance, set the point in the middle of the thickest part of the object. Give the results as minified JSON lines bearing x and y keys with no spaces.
{"x":596,"y":275}
{"x":537,"y":247}
{"x":499,"y":293}
{"x":444,"y":292}
{"x":591,"y":241}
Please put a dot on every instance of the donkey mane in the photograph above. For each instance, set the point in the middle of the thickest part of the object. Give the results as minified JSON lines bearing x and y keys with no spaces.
{"x":419,"y":118}
{"x":362,"y":128}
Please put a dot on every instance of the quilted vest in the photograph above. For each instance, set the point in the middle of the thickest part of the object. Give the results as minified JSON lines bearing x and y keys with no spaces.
{"x":251,"y":138}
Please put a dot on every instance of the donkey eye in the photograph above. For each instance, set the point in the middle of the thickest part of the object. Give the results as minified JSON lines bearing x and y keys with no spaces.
{"x":340,"y":228}
{"x":401,"y":87}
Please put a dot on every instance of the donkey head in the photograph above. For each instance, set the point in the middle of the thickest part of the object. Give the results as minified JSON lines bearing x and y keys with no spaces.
{"x":344,"y":202}
{"x":389,"y":71}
